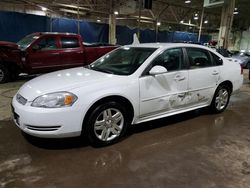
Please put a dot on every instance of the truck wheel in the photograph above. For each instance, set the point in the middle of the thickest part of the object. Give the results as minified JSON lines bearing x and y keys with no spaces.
{"x":221,"y":99}
{"x":4,"y":74}
{"x":107,"y":124}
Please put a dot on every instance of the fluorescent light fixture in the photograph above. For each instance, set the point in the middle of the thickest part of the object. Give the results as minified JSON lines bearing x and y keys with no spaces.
{"x":44,"y":9}
{"x":188,"y":1}
{"x":98,"y":20}
{"x":116,"y":12}
{"x":206,"y":21}
{"x":158,"y":23}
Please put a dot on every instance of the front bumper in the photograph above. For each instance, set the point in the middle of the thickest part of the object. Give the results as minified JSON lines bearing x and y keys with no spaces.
{"x":46,"y":122}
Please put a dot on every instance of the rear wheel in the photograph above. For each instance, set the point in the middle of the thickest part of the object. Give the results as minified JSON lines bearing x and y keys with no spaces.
{"x":107,"y":124}
{"x":4,"y":74}
{"x":221,"y":99}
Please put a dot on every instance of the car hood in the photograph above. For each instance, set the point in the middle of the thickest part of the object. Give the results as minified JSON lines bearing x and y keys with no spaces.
{"x":8,"y":45}
{"x":64,"y":80}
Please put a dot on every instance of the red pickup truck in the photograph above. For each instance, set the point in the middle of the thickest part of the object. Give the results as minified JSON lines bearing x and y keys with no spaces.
{"x":46,"y":52}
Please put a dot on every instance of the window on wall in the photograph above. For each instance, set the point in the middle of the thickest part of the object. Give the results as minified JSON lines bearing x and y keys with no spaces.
{"x":171,"y":59}
{"x":48,"y":43}
{"x":70,"y":42}
{"x":198,"y":58}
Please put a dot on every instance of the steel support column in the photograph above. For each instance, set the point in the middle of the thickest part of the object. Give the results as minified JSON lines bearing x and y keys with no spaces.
{"x":226,"y":23}
{"x":112,"y":25}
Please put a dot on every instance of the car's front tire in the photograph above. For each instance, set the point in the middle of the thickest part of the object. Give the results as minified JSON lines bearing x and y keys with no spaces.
{"x":221,"y":99}
{"x":4,"y":74}
{"x":106,"y":124}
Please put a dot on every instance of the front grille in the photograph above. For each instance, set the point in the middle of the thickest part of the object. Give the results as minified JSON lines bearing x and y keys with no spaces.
{"x":21,"y":99}
{"x":42,"y":128}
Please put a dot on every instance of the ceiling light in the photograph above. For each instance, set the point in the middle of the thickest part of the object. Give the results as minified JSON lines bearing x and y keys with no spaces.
{"x":116,"y":12}
{"x":188,"y":1}
{"x":98,"y":20}
{"x":235,"y":9}
{"x":206,"y":21}
{"x":182,"y":21}
{"x":196,"y":17}
{"x":236,"y":12}
{"x":158,"y":23}
{"x":44,"y":9}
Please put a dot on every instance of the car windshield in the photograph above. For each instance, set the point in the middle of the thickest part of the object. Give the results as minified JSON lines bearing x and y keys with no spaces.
{"x":123,"y":61}
{"x":26,"y":41}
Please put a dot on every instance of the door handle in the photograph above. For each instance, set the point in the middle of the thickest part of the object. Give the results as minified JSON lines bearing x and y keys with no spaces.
{"x":179,"y":78}
{"x":215,"y":72}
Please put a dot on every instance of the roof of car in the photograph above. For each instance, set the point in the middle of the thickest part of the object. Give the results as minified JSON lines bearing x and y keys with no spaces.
{"x":54,"y":33}
{"x":165,"y":45}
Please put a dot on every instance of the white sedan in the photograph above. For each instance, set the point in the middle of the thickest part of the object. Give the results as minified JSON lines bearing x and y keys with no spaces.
{"x":130,"y":85}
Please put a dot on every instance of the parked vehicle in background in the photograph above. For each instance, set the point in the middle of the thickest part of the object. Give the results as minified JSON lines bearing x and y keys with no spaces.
{"x":243,"y":58}
{"x":46,"y":52}
{"x":130,"y":85}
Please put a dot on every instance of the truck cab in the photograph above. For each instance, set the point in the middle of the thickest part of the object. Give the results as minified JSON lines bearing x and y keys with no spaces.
{"x":45,"y":52}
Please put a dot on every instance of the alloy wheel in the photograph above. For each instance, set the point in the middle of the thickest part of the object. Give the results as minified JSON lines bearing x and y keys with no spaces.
{"x":109,"y":124}
{"x":221,"y":99}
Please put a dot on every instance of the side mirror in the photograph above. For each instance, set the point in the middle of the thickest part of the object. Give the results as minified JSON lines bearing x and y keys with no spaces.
{"x":157,"y":70}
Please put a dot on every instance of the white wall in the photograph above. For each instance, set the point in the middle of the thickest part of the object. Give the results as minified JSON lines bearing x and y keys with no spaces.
{"x":245,"y":40}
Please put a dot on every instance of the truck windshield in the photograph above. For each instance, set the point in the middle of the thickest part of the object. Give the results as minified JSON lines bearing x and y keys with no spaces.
{"x":26,"y":41}
{"x":123,"y":61}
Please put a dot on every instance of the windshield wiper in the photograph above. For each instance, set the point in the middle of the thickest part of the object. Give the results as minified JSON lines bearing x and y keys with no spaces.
{"x":101,"y":70}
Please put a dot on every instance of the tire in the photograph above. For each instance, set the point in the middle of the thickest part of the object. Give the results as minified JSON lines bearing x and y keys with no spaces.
{"x":221,"y":99}
{"x":4,"y":74}
{"x":102,"y":128}
{"x":248,"y":65}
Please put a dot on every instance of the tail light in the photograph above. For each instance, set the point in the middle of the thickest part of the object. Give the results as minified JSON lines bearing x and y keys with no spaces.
{"x":241,"y":67}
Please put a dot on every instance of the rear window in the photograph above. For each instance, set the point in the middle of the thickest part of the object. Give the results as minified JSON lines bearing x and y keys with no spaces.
{"x":70,"y":42}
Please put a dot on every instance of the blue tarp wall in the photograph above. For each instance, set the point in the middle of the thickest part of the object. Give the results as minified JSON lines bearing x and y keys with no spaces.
{"x":14,"y":26}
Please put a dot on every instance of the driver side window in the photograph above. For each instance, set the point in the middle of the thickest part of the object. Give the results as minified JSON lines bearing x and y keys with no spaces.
{"x":47,"y":44}
{"x":171,"y":59}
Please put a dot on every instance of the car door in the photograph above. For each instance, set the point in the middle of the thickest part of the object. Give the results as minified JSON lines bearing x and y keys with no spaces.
{"x":164,"y":92}
{"x":71,"y":52}
{"x":203,"y":76}
{"x":43,"y":55}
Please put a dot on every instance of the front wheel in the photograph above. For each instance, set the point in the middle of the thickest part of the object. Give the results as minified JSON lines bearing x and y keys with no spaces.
{"x":107,"y":124}
{"x":221,"y":99}
{"x":4,"y":74}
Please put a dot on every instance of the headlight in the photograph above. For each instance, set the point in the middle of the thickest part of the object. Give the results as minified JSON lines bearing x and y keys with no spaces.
{"x":55,"y":100}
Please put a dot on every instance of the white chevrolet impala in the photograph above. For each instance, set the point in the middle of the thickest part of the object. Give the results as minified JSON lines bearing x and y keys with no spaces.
{"x":130,"y":85}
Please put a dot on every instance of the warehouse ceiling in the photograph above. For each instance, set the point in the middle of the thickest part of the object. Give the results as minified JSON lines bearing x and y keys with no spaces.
{"x":170,"y":14}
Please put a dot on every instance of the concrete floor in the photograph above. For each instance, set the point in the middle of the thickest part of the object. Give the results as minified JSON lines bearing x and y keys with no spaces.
{"x":194,"y":149}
